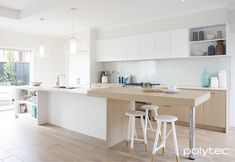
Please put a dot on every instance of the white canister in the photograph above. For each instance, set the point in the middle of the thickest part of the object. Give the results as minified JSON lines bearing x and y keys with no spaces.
{"x":222,"y":79}
{"x":105,"y":79}
{"x":214,"y":82}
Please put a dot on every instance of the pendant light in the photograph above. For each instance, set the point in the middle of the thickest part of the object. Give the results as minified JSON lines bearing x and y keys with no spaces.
{"x":71,"y":45}
{"x":42,"y":51}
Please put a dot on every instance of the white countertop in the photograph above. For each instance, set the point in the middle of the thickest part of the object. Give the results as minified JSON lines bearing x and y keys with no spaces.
{"x":85,"y":89}
{"x":79,"y":90}
{"x":198,"y":88}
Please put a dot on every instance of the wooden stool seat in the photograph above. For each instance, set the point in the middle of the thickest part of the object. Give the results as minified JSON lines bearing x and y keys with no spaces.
{"x":166,"y":118}
{"x":135,"y":113}
{"x":149,"y":107}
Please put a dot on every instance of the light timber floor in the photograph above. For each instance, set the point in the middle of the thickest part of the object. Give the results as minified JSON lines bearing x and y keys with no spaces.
{"x":24,"y":141}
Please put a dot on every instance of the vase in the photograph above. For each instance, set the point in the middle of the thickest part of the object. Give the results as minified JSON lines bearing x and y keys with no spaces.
{"x":205,"y":79}
{"x":105,"y":79}
{"x":220,"y":48}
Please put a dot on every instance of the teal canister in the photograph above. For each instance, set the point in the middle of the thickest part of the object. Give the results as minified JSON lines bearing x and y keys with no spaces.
{"x":34,"y":111}
{"x":205,"y":79}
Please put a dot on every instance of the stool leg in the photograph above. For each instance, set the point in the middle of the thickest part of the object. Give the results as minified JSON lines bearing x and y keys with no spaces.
{"x":164,"y":137}
{"x":175,"y":141}
{"x":132,"y":133}
{"x":136,"y":134}
{"x":156,"y":140}
{"x":150,"y":124}
{"x":155,"y":113}
{"x":144,"y":134}
{"x":128,"y":133}
{"x":146,"y":122}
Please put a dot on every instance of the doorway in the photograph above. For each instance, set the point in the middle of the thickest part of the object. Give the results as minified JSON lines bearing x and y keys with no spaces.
{"x":15,"y":70}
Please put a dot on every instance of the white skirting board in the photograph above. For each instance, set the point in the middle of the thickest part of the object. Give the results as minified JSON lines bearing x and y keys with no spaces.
{"x":80,"y":113}
{"x":232,"y":129}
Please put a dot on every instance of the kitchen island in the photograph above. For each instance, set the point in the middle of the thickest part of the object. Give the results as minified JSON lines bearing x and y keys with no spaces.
{"x":187,"y":98}
{"x":100,"y":112}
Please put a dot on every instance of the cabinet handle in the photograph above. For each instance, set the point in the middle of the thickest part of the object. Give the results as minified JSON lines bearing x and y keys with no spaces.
{"x":213,"y":93}
{"x":166,"y":106}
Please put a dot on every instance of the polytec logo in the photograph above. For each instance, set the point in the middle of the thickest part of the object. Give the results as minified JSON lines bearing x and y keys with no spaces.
{"x":206,"y":151}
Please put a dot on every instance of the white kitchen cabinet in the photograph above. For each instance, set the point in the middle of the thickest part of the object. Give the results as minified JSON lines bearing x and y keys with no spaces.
{"x":101,"y":50}
{"x":78,"y":69}
{"x":163,"y":44}
{"x":148,"y":46}
{"x":180,"y":43}
{"x":133,"y":47}
{"x":160,"y":45}
{"x":110,"y":50}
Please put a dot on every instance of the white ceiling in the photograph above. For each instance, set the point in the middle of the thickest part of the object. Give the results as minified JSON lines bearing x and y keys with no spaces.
{"x":17,"y":4}
{"x":96,"y":13}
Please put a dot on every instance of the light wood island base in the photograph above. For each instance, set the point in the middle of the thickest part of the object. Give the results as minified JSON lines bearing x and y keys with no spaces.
{"x":117,"y":122}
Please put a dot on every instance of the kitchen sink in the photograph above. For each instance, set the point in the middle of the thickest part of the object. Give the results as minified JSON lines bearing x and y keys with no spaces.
{"x":67,"y":87}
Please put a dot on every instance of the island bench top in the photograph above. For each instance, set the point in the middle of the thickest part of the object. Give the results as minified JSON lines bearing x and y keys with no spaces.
{"x":188,"y":98}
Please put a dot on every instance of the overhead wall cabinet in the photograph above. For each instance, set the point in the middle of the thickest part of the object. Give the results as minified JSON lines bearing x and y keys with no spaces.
{"x":163,"y":44}
{"x":111,"y":50}
{"x":148,"y":46}
{"x":160,"y":45}
{"x":178,"y":43}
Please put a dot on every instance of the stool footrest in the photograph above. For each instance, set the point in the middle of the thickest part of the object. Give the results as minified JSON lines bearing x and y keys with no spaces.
{"x":162,"y":145}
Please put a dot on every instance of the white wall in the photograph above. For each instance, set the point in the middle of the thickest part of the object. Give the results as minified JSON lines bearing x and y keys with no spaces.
{"x":190,"y":20}
{"x":44,"y":69}
{"x":232,"y":100}
{"x":232,"y":20}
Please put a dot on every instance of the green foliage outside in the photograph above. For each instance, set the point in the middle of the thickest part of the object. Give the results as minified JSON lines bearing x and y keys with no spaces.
{"x":8,"y":71}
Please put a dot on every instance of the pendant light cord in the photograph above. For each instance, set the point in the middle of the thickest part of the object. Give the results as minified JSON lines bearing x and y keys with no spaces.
{"x":73,"y":10}
{"x":42,"y":33}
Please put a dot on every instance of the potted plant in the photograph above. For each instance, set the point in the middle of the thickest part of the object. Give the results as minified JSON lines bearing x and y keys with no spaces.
{"x":106,"y":75}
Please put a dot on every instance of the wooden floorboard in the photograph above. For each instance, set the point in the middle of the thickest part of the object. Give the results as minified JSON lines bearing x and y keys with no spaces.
{"x":24,"y":141}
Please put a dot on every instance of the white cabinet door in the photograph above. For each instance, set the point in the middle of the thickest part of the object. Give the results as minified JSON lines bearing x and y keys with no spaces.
{"x":163,"y":44}
{"x":132,"y":47}
{"x":110,"y":50}
{"x":148,"y":46}
{"x":78,"y":69}
{"x":180,"y":43}
{"x":101,"y":50}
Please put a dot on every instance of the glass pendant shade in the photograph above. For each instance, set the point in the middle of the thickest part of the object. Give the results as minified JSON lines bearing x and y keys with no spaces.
{"x":42,"y":50}
{"x":71,"y":46}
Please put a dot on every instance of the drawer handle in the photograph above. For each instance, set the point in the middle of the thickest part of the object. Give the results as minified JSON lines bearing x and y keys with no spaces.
{"x":166,"y":106}
{"x":213,"y":93}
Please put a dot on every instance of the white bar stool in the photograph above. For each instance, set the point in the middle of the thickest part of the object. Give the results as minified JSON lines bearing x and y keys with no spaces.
{"x":131,"y":132}
{"x":148,"y":108}
{"x":165,"y":119}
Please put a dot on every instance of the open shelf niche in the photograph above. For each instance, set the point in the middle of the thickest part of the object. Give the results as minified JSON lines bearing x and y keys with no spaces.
{"x":199,"y":47}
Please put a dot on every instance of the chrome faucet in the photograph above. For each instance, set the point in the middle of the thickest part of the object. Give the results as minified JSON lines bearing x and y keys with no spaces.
{"x":58,"y":80}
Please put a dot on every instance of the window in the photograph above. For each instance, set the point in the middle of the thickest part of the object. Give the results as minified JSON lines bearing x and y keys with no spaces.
{"x":15,"y":66}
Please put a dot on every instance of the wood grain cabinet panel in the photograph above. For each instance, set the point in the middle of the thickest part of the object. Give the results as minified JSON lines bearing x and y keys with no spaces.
{"x":209,"y":115}
{"x":165,"y":110}
{"x":215,"y":110}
